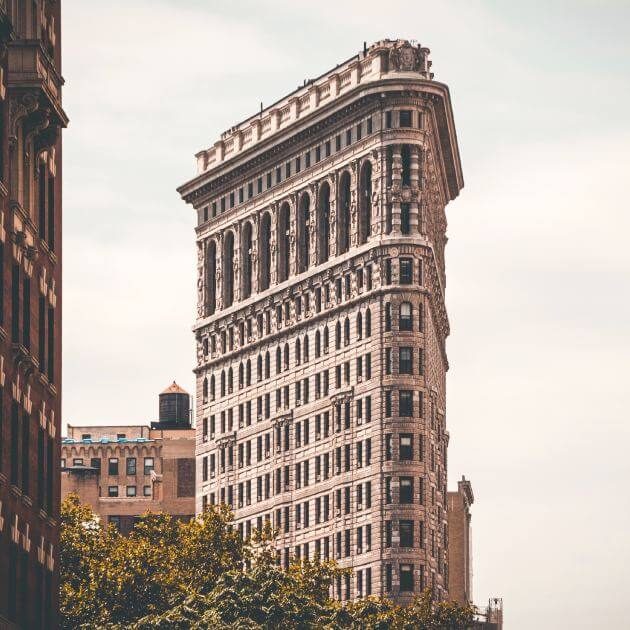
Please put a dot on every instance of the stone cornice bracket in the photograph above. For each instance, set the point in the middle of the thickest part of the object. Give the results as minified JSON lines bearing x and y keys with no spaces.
{"x":286,"y":418}
{"x":20,"y":107}
{"x":341,"y":397}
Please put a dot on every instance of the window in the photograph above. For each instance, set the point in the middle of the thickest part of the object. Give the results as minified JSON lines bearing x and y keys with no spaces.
{"x":405,"y":320}
{"x":131,"y":465}
{"x":406,"y":271}
{"x":406,"y":578}
{"x":112,"y":491}
{"x":146,"y":491}
{"x":388,"y":317}
{"x":405,"y":118}
{"x":114,"y":520}
{"x":131,"y":491}
{"x":148,"y":465}
{"x":388,"y":125}
{"x":405,"y":360}
{"x":405,"y":403}
{"x":406,"y":490}
{"x":77,"y":461}
{"x":406,"y":533}
{"x":405,"y":217}
{"x":112,"y":468}
{"x":405,"y":449}
{"x":405,"y":155}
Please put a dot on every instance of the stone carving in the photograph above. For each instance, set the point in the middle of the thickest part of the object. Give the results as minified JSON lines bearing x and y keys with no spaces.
{"x":406,"y":58}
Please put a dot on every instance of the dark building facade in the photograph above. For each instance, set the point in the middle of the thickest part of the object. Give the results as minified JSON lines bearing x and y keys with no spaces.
{"x":321,"y":329}
{"x":31,"y":119}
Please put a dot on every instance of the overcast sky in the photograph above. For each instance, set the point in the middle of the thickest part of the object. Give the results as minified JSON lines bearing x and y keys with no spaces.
{"x":538,"y":262}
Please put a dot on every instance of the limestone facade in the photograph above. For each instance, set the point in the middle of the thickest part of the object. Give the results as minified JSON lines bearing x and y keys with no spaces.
{"x":321,"y":323}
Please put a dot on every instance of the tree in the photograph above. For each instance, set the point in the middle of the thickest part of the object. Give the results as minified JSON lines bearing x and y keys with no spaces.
{"x":172,"y":574}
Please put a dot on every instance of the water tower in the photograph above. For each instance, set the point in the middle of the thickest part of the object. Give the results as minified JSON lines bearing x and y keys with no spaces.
{"x":174,"y":409}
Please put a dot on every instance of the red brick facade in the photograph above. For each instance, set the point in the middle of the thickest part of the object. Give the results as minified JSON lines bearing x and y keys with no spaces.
{"x":31,"y":119}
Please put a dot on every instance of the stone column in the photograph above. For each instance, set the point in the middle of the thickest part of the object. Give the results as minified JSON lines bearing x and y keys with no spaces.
{"x":202,"y":288}
{"x":396,"y":188}
{"x":218,"y":291}
{"x":354,"y":185}
{"x":312,"y":225}
{"x":332,"y":236}
{"x":254,"y":256}
{"x":413,"y":206}
{"x":293,"y":217}
{"x":376,"y":201}
{"x":236,"y":261}
{"x":273,"y":246}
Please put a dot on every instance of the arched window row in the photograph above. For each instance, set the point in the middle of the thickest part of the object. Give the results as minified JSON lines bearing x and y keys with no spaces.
{"x":405,"y":270}
{"x":240,"y":264}
{"x":283,"y":359}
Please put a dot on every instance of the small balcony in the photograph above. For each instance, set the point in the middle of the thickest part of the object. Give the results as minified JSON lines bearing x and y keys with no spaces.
{"x":31,"y":68}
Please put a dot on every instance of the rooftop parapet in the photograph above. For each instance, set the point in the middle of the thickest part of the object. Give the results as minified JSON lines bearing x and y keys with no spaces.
{"x":381,"y":60}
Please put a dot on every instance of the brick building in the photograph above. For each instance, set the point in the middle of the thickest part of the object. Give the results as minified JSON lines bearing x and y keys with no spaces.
{"x":31,"y":119}
{"x":121,"y":472}
{"x":321,"y":324}
{"x":460,"y":542}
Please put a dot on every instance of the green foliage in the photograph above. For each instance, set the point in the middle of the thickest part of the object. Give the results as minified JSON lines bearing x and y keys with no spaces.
{"x":169,"y":574}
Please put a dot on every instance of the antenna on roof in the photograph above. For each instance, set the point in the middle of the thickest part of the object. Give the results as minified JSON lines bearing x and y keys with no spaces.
{"x":364,"y":48}
{"x":261,"y":108}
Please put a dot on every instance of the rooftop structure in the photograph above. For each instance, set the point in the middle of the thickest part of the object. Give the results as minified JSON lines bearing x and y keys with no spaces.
{"x":124,"y":471}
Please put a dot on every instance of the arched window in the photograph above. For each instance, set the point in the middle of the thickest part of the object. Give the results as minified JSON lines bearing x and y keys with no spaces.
{"x":405,"y":155}
{"x":205,"y":390}
{"x":264,"y":252}
{"x":246,"y":259}
{"x":343,"y":216}
{"x":323,"y":223}
{"x":318,"y":345}
{"x":259,"y":371}
{"x":286,"y":356}
{"x":228,"y":272}
{"x":405,"y":319}
{"x":359,"y":326}
{"x":248,"y":373}
{"x":283,"y":242}
{"x":222,"y":383}
{"x":278,"y":360}
{"x":325,"y":338}
{"x":368,"y":323}
{"x":267,"y":364}
{"x":304,"y":219}
{"x":365,"y":202}
{"x":346,"y":332}
{"x":230,"y":381}
{"x":205,"y":345}
{"x":306,"y":350}
{"x":298,"y":351}
{"x":212,"y":388}
{"x":388,"y":317}
{"x":338,"y":336}
{"x":241,"y":376}
{"x":211,"y":278}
